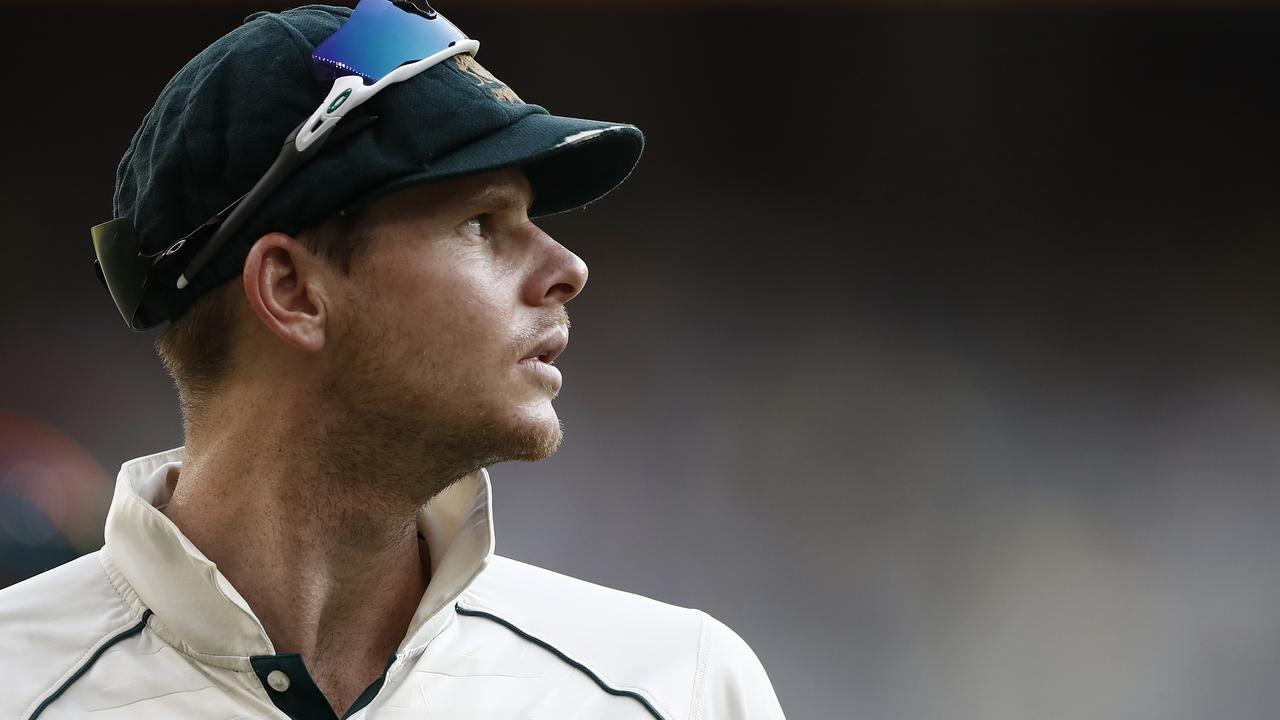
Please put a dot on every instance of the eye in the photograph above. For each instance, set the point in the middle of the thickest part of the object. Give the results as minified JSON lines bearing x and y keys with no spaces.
{"x":474,"y":226}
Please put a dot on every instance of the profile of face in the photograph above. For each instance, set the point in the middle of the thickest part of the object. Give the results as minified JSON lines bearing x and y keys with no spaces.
{"x":439,"y":341}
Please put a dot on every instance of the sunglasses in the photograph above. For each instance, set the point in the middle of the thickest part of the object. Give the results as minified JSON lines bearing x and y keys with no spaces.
{"x":383,"y":42}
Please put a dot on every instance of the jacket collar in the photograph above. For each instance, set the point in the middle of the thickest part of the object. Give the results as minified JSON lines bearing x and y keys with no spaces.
{"x":206,"y":615}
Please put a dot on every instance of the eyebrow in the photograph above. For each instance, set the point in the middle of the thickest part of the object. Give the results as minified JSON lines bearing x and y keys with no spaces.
{"x":501,"y":197}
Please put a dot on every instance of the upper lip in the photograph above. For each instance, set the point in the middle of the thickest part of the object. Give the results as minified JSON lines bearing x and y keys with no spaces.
{"x":550,"y":346}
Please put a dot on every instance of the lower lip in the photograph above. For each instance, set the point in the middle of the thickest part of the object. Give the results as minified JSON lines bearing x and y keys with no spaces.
{"x":549,"y":372}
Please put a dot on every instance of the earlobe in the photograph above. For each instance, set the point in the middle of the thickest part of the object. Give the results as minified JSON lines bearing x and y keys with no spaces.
{"x":284,"y":289}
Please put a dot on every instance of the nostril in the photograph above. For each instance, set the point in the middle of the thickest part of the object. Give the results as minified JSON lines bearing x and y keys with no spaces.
{"x":565,"y":290}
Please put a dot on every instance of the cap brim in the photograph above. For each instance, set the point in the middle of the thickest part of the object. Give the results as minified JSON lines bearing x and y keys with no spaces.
{"x":570,"y":162}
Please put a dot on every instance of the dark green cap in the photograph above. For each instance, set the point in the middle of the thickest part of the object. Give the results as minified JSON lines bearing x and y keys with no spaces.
{"x":221,"y":121}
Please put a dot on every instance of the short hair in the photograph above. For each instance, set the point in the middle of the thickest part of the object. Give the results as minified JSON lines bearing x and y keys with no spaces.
{"x":197,"y":349}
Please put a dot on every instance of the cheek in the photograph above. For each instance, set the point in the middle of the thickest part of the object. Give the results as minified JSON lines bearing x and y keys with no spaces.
{"x":457,"y":322}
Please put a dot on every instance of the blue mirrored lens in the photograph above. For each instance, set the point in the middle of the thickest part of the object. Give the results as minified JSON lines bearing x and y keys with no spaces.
{"x":379,"y":37}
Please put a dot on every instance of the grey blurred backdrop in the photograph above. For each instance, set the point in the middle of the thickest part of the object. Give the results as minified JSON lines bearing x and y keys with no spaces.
{"x":933,"y":350}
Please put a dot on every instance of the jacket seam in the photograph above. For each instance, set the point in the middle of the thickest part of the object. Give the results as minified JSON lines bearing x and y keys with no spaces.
{"x":604,"y":684}
{"x":40,"y":697}
{"x":104,"y":557}
{"x":699,"y":702}
{"x":93,"y":652}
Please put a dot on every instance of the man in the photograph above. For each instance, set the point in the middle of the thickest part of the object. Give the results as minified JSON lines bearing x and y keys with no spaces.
{"x":354,"y":341}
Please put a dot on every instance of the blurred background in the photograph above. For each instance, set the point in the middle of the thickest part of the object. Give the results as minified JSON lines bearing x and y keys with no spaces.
{"x":932,"y":348}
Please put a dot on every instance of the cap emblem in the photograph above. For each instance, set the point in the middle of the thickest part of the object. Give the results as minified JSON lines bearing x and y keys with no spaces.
{"x":485,"y":79}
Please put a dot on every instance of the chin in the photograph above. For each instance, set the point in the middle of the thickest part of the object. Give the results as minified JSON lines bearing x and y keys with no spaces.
{"x":532,"y":431}
{"x":536,"y":440}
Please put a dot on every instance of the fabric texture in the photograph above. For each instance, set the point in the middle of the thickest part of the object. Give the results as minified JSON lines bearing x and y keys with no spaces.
{"x":148,"y":628}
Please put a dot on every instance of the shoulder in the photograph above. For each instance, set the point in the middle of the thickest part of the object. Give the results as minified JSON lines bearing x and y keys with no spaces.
{"x":734,"y":682}
{"x":558,"y":599}
{"x":51,"y":624}
{"x":686,"y":662}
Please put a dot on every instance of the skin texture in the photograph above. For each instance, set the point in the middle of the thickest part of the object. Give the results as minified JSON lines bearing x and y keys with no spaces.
{"x":356,"y":399}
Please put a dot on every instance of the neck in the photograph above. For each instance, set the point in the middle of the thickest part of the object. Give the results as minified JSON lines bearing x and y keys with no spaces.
{"x":317,"y":530}
{"x":312,"y":564}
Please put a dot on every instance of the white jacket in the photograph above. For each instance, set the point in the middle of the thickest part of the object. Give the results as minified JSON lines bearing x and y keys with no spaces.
{"x":148,"y":628}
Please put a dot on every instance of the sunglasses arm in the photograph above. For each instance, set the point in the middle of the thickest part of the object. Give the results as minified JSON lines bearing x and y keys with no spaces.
{"x":289,"y":160}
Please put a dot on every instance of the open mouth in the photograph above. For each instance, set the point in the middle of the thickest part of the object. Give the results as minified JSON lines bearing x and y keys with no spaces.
{"x":549,"y":347}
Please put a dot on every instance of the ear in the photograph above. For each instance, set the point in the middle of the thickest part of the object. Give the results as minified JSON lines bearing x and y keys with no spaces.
{"x":284,"y":284}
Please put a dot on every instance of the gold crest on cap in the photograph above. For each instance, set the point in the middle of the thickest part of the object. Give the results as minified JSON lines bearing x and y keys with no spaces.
{"x":485,"y":79}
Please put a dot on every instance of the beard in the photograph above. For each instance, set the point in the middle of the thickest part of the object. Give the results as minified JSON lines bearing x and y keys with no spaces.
{"x":415,"y":438}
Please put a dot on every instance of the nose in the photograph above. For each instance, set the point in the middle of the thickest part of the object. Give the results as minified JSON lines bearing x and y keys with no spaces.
{"x":558,"y":276}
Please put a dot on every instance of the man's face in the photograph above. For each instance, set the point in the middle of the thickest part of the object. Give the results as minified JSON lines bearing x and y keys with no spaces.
{"x":451,"y":299}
